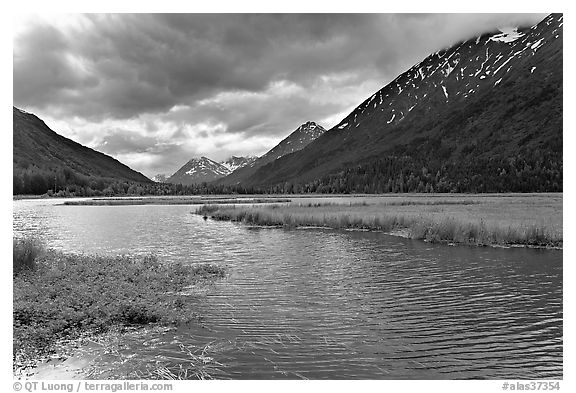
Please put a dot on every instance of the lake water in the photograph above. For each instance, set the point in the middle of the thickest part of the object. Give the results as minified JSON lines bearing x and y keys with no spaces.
{"x":318,"y":303}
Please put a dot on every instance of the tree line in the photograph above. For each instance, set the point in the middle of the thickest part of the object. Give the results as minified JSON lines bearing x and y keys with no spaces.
{"x":538,"y":172}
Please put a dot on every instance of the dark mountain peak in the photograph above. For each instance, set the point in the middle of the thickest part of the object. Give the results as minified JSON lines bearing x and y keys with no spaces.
{"x":311,"y":128}
{"x":297,"y":140}
{"x":309,"y":125}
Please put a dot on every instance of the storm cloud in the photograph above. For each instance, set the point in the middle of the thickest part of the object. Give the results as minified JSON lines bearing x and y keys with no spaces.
{"x":155,"y":90}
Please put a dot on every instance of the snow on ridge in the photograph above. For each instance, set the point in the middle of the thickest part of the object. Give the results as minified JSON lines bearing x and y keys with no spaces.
{"x":508,"y":34}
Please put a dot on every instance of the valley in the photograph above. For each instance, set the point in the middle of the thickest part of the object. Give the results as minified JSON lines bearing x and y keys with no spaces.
{"x":413,"y":231}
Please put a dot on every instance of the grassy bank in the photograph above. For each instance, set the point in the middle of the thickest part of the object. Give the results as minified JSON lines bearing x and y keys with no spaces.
{"x":65,"y":296}
{"x":450,"y":221}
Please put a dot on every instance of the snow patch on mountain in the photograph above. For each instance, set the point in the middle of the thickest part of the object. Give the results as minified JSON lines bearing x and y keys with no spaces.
{"x":235,"y":162}
{"x":508,"y":34}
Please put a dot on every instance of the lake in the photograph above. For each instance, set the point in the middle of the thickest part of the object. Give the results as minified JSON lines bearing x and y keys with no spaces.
{"x":330,"y":304}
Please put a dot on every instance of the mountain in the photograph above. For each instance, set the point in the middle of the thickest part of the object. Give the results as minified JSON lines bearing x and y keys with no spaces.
{"x":482,"y":116}
{"x":198,"y":170}
{"x":296,"y":141}
{"x":159,"y":178}
{"x":43,"y":159}
{"x":205,"y":170}
{"x":234,"y":162}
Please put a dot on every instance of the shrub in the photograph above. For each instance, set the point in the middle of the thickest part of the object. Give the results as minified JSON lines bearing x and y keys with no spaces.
{"x":25,"y":253}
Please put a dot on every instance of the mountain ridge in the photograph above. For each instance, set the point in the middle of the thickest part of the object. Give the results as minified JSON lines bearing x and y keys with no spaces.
{"x":410,"y":115}
{"x":42,"y":156}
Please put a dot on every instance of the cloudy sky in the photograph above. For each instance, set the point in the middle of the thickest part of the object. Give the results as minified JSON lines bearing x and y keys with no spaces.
{"x":154,"y":90}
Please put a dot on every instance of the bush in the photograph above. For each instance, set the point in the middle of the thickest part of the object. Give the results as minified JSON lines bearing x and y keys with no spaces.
{"x":25,"y":253}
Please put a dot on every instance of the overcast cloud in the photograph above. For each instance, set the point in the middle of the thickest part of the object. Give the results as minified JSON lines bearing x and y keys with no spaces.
{"x":156,"y":90}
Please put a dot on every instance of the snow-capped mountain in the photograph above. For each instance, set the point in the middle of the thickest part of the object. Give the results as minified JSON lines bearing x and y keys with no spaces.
{"x":200,"y":170}
{"x":297,"y":140}
{"x":234,"y":162}
{"x":459,"y":118}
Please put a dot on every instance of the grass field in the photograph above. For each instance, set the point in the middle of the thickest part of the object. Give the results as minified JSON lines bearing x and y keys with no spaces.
{"x":511,"y":219}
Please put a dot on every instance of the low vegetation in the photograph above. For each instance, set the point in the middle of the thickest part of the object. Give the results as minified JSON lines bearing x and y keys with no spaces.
{"x":439,"y":221}
{"x":65,"y":296}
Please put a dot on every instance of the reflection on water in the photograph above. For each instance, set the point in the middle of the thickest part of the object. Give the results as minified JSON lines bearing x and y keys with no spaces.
{"x":334,"y":304}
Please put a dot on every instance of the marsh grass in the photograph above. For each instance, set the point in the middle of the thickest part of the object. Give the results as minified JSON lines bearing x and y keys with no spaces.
{"x":67,"y":296}
{"x":172,"y":201}
{"x":25,"y":253}
{"x":193,"y":363}
{"x":440,"y":227}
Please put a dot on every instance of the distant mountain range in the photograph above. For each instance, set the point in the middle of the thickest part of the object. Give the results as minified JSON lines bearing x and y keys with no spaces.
{"x":235,"y":169}
{"x":43,"y":159}
{"x":482,"y":116}
{"x":205,"y":170}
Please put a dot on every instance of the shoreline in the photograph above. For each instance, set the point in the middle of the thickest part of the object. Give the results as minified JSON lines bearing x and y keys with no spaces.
{"x":296,"y":196}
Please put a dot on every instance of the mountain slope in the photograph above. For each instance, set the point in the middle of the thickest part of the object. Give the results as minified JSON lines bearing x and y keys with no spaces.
{"x":40,"y":151}
{"x":296,"y":141}
{"x":483,"y":115}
